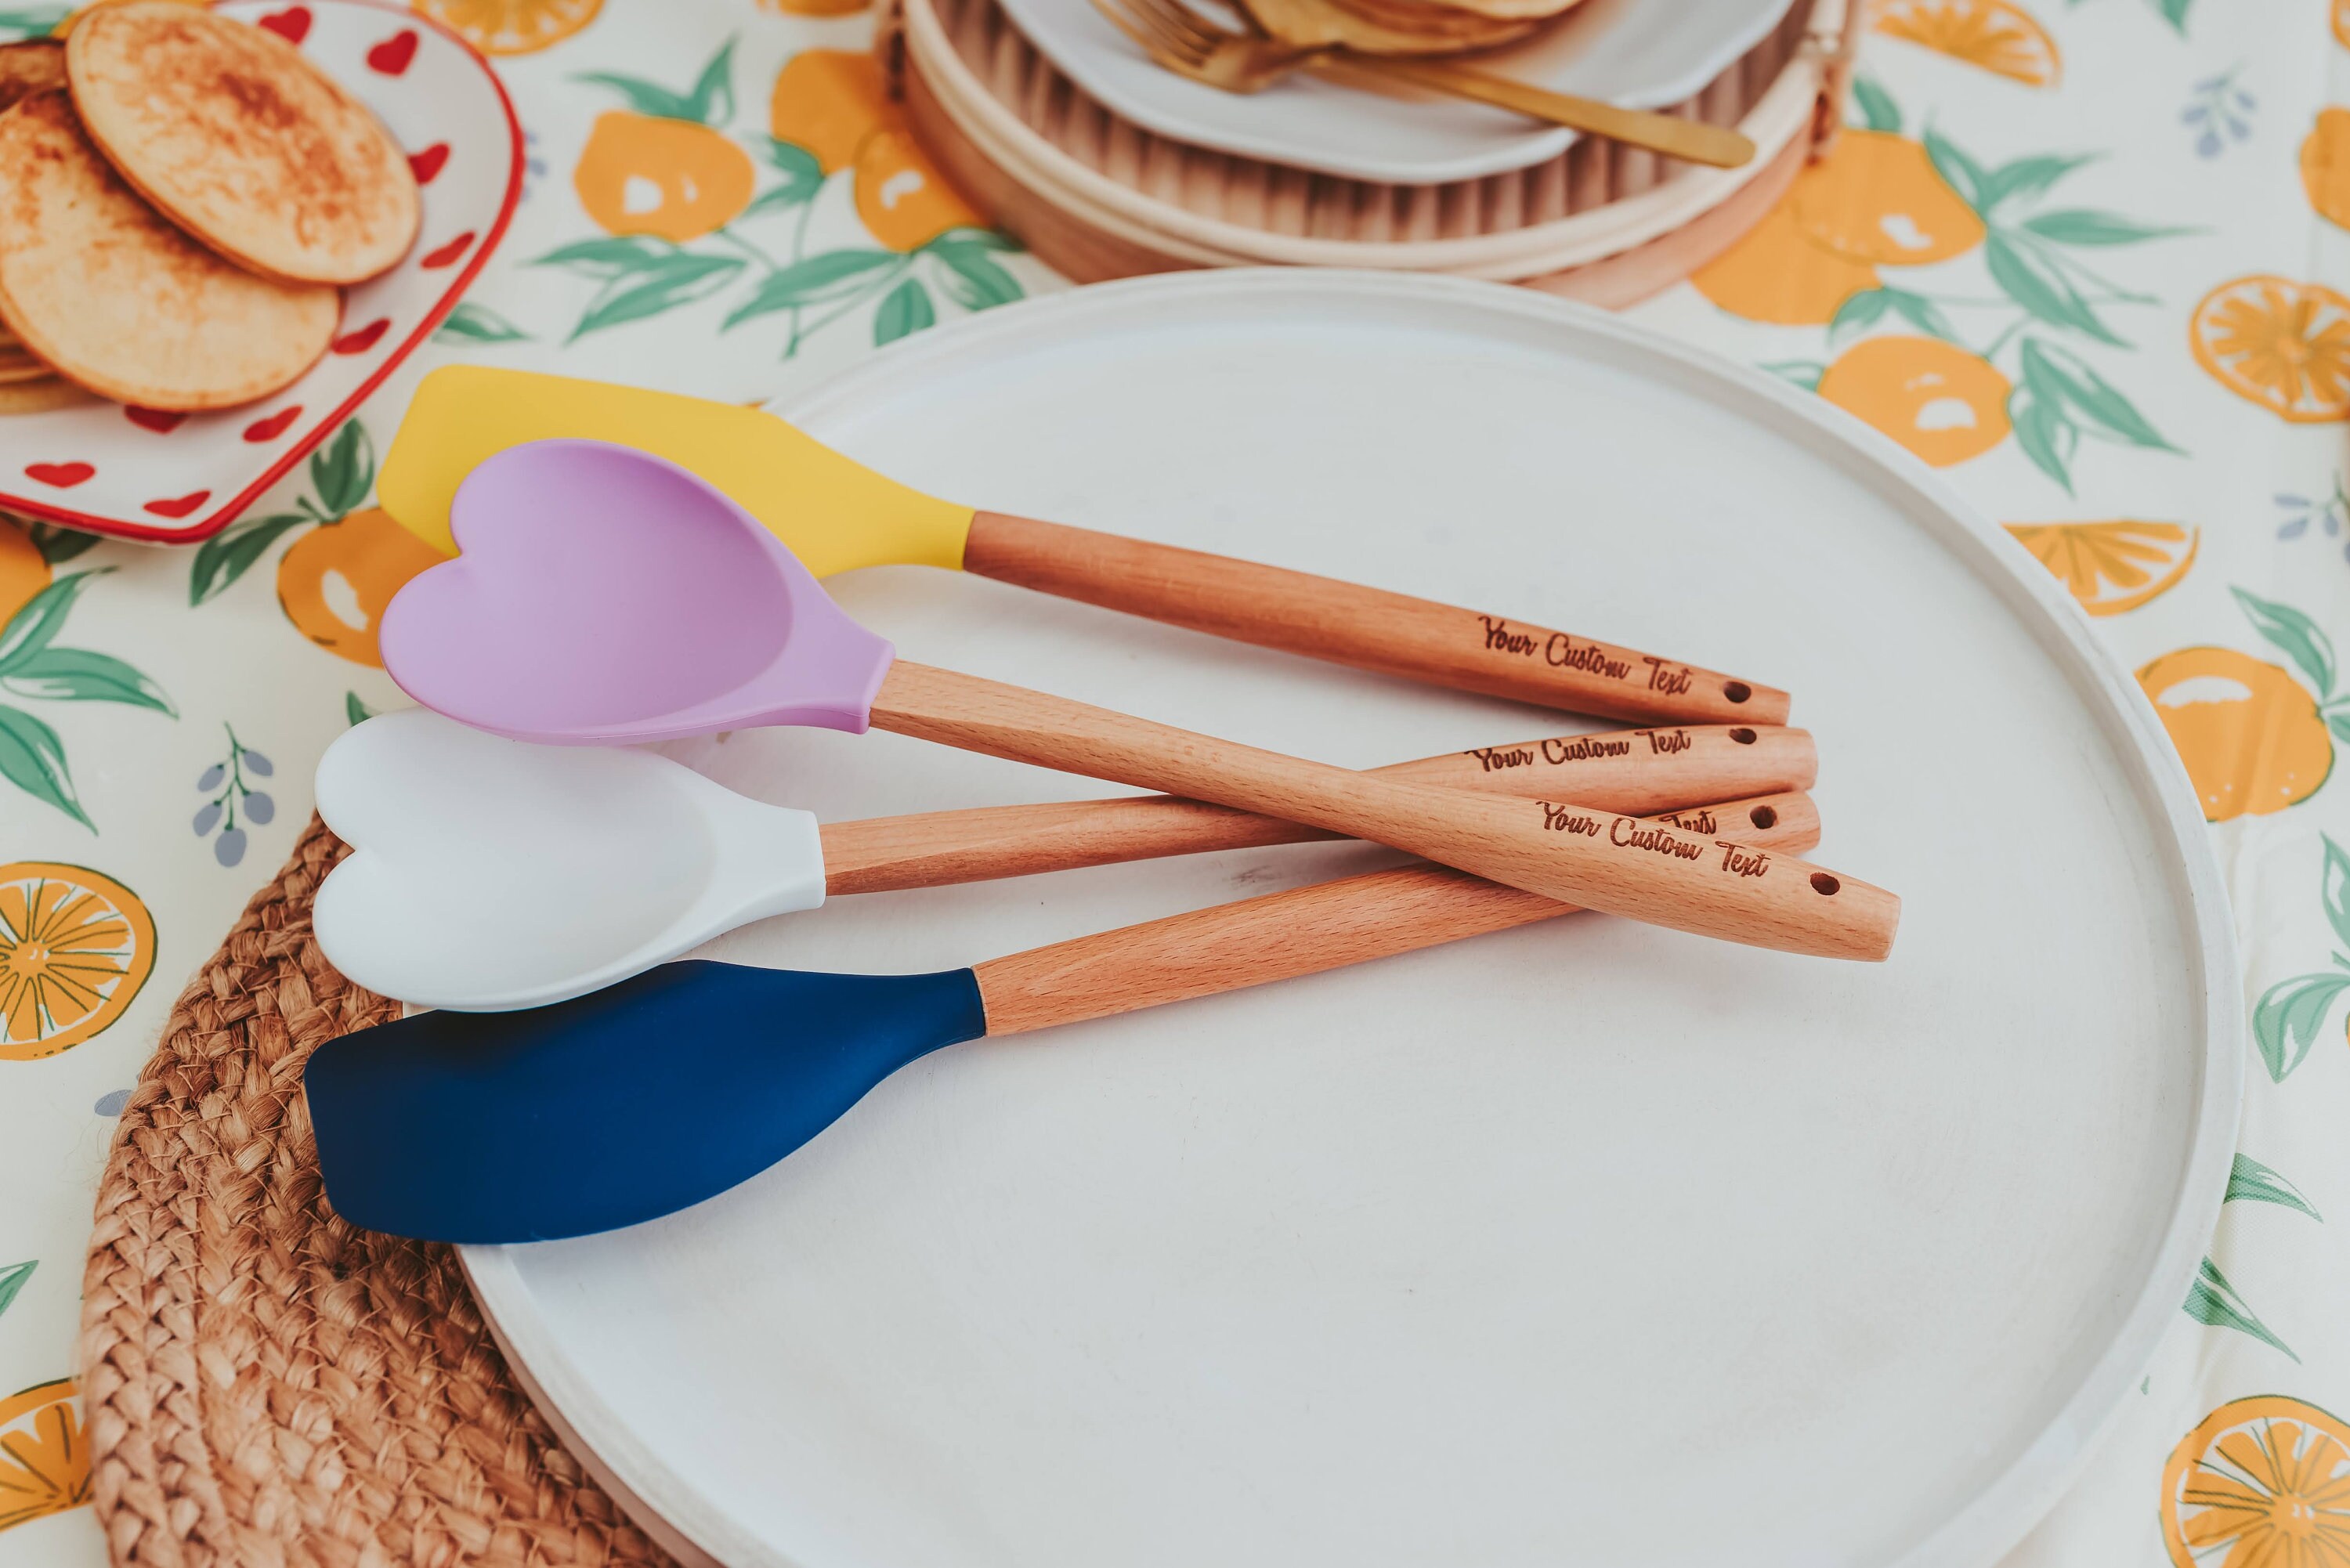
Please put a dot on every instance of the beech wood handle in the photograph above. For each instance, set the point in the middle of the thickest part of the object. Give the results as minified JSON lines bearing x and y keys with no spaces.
{"x":1639,"y":771}
{"x":1367,"y":629}
{"x":1301,"y":930}
{"x":1663,"y":874}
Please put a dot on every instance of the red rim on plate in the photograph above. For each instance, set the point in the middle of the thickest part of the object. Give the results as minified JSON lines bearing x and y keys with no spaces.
{"x":190,"y":494}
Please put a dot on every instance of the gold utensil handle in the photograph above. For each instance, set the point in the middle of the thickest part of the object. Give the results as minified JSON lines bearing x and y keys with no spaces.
{"x":1687,"y":138}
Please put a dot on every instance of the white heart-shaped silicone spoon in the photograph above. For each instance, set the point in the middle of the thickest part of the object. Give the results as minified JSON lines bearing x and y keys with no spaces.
{"x":488,"y":874}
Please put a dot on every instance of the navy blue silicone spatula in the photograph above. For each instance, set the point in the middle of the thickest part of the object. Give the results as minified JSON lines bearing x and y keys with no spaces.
{"x":547,"y":1122}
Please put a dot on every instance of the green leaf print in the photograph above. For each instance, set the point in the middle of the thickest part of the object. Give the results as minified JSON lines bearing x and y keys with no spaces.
{"x":32,"y":627}
{"x":818,"y":279}
{"x":2298,"y":637}
{"x":973,"y":278}
{"x":2080,"y":226}
{"x":2044,"y":433}
{"x":803,"y":178}
{"x":343,"y":470}
{"x":1959,"y":172}
{"x":354,"y":710}
{"x":608,"y":258}
{"x":2213,"y":1300}
{"x":905,"y":310}
{"x":34,"y":760}
{"x":710,"y":102}
{"x":2333,"y":890}
{"x":2286,"y":1019}
{"x":2252,"y":1183}
{"x":2077,"y":388}
{"x":1877,"y":109}
{"x":676,"y":279}
{"x":2026,"y":178}
{"x":57,"y":545}
{"x":1804,"y":373}
{"x":472,"y":323}
{"x":2174,"y":13}
{"x":76,"y":675}
{"x":231,"y":552}
{"x":2028,"y":275}
{"x":12,"y":1279}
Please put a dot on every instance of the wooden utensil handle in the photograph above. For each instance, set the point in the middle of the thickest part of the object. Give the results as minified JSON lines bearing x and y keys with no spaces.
{"x":1366,"y":629}
{"x":1692,"y":139}
{"x":1637,"y":771}
{"x":1301,"y":930}
{"x":1662,"y":874}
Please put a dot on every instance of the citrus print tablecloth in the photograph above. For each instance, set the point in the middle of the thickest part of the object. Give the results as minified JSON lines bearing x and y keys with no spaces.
{"x":2089,"y":257}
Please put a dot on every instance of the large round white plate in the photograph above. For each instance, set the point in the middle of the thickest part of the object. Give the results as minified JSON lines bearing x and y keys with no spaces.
{"x":1637,"y":53}
{"x":1587,"y":1243}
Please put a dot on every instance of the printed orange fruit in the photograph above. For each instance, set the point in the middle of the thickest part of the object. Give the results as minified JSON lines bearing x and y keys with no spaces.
{"x":23,"y":571}
{"x":640,"y":174}
{"x":1777,"y":274}
{"x":828,"y":101}
{"x":904,"y":199}
{"x":44,"y":1458}
{"x":337,"y":579}
{"x":2281,"y":344}
{"x":2112,"y":567}
{"x":75,"y":948}
{"x":510,"y":26}
{"x":2249,"y":734}
{"x":815,"y":7}
{"x":2342,"y":23}
{"x":2268,"y":1478}
{"x":2325,"y":165}
{"x":1878,"y":198}
{"x":1999,"y":37}
{"x":1934,"y":398}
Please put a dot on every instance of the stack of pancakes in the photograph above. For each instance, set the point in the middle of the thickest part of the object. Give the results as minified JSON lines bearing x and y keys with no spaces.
{"x":1404,"y":27}
{"x":182,"y":196}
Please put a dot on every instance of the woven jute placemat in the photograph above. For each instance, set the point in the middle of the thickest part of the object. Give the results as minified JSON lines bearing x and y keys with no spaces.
{"x":264,"y":1384}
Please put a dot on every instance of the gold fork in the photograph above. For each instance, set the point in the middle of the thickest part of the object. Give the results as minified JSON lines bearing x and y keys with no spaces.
{"x":1181,"y":40}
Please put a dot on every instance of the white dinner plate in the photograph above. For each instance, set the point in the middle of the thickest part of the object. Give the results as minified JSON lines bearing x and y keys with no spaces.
{"x":1635,"y":52}
{"x":1587,"y":1243}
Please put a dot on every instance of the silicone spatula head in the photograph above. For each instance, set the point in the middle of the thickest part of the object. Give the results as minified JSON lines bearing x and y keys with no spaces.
{"x":488,"y":874}
{"x":613,"y":1108}
{"x":835,"y":514}
{"x":607,"y":596}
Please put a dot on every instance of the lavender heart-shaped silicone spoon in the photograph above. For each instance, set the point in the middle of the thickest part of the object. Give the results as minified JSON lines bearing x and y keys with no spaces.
{"x":607,"y":596}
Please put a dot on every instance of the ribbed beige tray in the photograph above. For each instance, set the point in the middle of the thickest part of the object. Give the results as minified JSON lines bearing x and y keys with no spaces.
{"x":1098,"y":197}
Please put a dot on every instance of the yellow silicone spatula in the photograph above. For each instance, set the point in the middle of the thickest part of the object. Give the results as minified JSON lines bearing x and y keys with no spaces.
{"x":837,"y":515}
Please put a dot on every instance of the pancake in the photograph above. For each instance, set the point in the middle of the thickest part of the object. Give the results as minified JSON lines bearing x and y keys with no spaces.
{"x":95,"y":282}
{"x":240,"y":140}
{"x":1320,"y":24}
{"x":1515,"y":10}
{"x":40,"y":397}
{"x":29,"y":67}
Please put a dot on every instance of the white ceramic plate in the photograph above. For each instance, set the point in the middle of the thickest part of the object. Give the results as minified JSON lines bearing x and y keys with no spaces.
{"x":1587,"y":1243}
{"x":1635,"y":52}
{"x":139,"y":473}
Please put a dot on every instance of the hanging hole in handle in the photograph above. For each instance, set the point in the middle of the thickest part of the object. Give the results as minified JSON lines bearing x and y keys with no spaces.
{"x":1742,"y":735}
{"x":1763,"y":816}
{"x":1737,"y":691}
{"x":1824,"y":883}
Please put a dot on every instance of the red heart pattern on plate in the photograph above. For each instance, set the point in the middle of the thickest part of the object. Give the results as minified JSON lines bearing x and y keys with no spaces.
{"x":365,"y":339}
{"x":162,"y":422}
{"x":392,"y":56}
{"x":293,"y":24}
{"x":275,"y":425}
{"x":427,"y":163}
{"x":64,"y":475}
{"x":180,"y":506}
{"x":444,"y":254}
